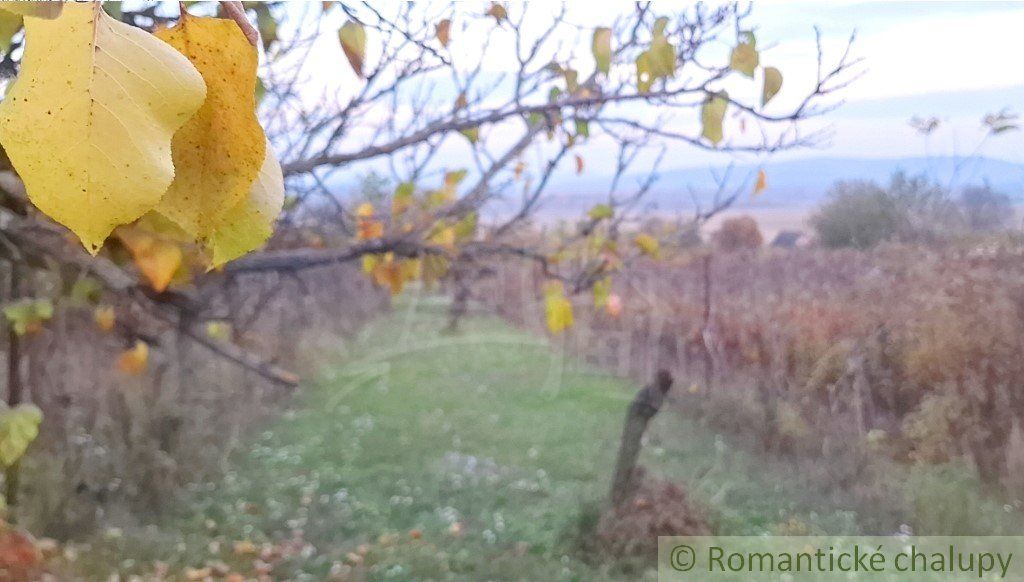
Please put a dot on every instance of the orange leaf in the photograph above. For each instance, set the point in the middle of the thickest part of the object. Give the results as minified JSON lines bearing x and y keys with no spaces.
{"x":443,"y":30}
{"x":104,"y":317}
{"x":369,"y":229}
{"x":18,"y":555}
{"x":579,"y":164}
{"x":498,"y":12}
{"x":762,"y":182}
{"x":157,"y":259}
{"x":389,"y":273}
{"x":133,"y":361}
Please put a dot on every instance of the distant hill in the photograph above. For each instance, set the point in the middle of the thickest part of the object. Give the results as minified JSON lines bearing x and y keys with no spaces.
{"x":792,"y":184}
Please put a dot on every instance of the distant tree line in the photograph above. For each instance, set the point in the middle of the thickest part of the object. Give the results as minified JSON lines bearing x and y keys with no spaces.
{"x":861,"y":214}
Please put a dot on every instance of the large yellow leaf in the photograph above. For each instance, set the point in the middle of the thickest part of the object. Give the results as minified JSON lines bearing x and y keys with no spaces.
{"x":88,"y":122}
{"x":219,"y":152}
{"x":251,"y":222}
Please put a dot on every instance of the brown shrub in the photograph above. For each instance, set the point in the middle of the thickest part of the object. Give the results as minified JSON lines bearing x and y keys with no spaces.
{"x":919,"y":343}
{"x":739,"y":233}
{"x":658,"y":508}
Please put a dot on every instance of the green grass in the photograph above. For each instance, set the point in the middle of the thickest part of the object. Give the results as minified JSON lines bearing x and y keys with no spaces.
{"x":487,"y":429}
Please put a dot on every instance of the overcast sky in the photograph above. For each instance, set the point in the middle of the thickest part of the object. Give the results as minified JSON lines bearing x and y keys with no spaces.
{"x":954,"y":60}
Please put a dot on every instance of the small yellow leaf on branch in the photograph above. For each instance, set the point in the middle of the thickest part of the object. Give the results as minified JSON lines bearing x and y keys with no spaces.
{"x":772,"y":84}
{"x":648,"y":245}
{"x":353,"y":41}
{"x":133,"y":361}
{"x":104,"y":317}
{"x":602,"y":48}
{"x":712,"y":114}
{"x":557,"y":308}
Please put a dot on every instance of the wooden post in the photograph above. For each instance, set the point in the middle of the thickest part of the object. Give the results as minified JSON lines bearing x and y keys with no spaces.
{"x":645,"y":405}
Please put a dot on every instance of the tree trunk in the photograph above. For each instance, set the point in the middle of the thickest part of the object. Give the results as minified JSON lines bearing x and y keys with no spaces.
{"x":645,"y":405}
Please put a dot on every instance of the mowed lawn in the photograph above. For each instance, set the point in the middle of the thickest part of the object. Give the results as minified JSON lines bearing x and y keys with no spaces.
{"x":474,"y":455}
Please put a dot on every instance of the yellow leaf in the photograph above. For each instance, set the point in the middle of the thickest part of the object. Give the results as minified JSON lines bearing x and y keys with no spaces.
{"x":744,"y":59}
{"x":19,"y":426}
{"x":712,"y":113}
{"x":648,"y":245}
{"x":48,"y":9}
{"x":370,"y":263}
{"x":368,"y":229}
{"x":453,"y":178}
{"x":443,"y":236}
{"x":402,"y":198}
{"x":772,"y":84}
{"x":218,"y":154}
{"x":433,"y":268}
{"x":389,"y":273}
{"x":472,"y":134}
{"x":762,"y":182}
{"x":364,"y":210}
{"x":218,"y":330}
{"x":156,"y":258}
{"x":443,"y":30}
{"x":557,"y":308}
{"x":133,"y":361}
{"x":104,"y":317}
{"x":88,"y":122}
{"x":353,"y":41}
{"x":601,"y":212}
{"x":27,"y":315}
{"x":412,"y":269}
{"x":602,"y":291}
{"x":250,"y":223}
{"x":466,"y":227}
{"x":602,"y":48}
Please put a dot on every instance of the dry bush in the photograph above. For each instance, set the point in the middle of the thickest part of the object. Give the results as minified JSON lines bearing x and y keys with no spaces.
{"x":910,"y":351}
{"x":113,"y":445}
{"x":658,"y":508}
{"x":739,"y":233}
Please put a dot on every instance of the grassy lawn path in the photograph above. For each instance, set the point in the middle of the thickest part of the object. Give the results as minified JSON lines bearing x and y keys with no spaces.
{"x":463,"y":456}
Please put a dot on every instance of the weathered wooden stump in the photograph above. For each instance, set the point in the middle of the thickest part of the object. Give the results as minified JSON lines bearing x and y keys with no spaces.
{"x":645,"y":405}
